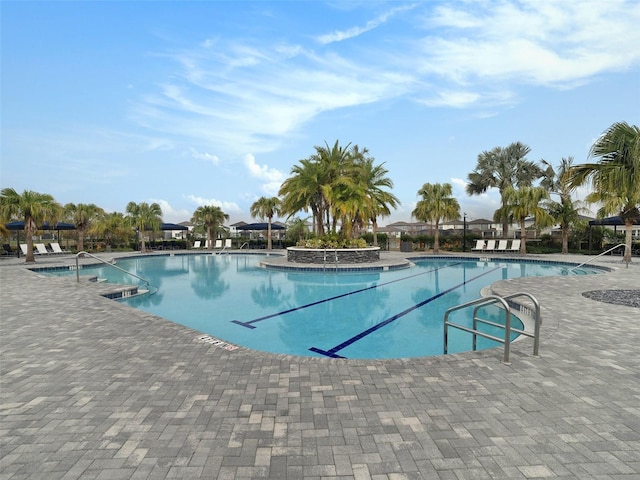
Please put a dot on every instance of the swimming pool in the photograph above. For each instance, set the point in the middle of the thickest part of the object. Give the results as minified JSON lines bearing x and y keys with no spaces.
{"x":368,"y":314}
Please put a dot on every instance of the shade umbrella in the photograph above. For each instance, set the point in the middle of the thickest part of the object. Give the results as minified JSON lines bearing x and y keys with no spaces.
{"x":260,"y":226}
{"x":18,"y":225}
{"x":172,"y":226}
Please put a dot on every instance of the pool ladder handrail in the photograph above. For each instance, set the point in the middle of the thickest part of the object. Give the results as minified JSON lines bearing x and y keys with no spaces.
{"x":106,"y":263}
{"x":493,"y":299}
{"x":599,"y":255}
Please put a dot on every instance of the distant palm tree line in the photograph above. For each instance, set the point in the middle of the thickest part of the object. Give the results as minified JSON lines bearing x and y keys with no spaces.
{"x":345,"y":191}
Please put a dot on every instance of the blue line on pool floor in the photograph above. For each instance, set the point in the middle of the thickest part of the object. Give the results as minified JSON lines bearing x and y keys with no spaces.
{"x":332,"y":352}
{"x":250,"y":323}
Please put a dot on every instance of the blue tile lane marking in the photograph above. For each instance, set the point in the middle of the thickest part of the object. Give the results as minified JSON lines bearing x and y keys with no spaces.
{"x":332,"y":352}
{"x":250,"y":323}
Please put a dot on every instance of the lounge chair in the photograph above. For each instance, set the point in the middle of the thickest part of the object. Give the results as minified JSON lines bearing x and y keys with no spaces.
{"x":515,"y":246}
{"x":196,"y":244}
{"x":23,"y":248}
{"x":7,"y":250}
{"x":42,"y":250}
{"x":480,"y":244}
{"x":502,"y":246}
{"x":55,"y":247}
{"x":491,"y":246}
{"x":227,"y":243}
{"x":218,"y":245}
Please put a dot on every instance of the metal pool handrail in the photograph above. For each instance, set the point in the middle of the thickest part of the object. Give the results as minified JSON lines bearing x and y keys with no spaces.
{"x":599,"y":255}
{"x":106,"y":263}
{"x":492,"y":299}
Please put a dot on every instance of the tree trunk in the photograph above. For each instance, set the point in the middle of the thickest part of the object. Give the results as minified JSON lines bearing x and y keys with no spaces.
{"x":269,"y":234}
{"x":30,"y":257}
{"x":523,"y":237}
{"x":436,"y":239}
{"x":565,"y":239}
{"x":628,"y":226}
{"x":505,"y":227}
{"x":375,"y":233}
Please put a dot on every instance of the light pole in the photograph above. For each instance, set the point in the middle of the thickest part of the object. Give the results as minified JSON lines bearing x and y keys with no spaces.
{"x":464,"y":232}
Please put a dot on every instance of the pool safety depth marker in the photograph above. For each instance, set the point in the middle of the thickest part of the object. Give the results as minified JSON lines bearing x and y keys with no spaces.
{"x":250,"y":323}
{"x":332,"y":352}
{"x":217,"y":342}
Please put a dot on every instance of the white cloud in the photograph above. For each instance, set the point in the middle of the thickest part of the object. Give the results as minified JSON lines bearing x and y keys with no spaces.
{"x":263,"y":172}
{"x":340,"y":35}
{"x":170,"y":214}
{"x":204,"y":156}
{"x":227,"y":207}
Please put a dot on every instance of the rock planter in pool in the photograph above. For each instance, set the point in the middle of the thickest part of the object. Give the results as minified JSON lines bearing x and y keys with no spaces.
{"x":340,"y":256}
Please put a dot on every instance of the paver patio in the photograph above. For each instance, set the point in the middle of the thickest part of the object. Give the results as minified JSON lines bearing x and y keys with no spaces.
{"x":92,"y":389}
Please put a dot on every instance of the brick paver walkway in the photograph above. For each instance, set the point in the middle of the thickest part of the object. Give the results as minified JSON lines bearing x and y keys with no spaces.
{"x":92,"y":389}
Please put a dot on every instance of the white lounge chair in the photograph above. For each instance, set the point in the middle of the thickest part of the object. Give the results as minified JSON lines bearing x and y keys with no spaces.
{"x":227,"y":243}
{"x":23,"y":248}
{"x":480,"y":244}
{"x":218,"y":245}
{"x":42,"y":250}
{"x":491,"y":246}
{"x":502,"y":246}
{"x":515,"y":246}
{"x":197,"y":244}
{"x":56,"y":248}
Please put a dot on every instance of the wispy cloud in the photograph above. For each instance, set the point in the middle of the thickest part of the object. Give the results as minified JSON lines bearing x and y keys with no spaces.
{"x":341,"y":35}
{"x":236,"y":96}
{"x":209,"y":157}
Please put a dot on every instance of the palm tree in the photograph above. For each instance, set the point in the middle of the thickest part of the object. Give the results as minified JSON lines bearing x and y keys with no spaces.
{"x":35,"y":208}
{"x":144,"y":217}
{"x":436,"y":204}
{"x":522,"y":203}
{"x":302,"y":191}
{"x":110,"y":226}
{"x":82,"y":215}
{"x":615,"y":178}
{"x":501,"y":168}
{"x":566,"y":211}
{"x":266,"y":208}
{"x":210,"y":217}
{"x":378,"y":201}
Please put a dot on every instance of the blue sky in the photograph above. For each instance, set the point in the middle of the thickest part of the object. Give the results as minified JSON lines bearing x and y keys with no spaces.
{"x":206,"y":102}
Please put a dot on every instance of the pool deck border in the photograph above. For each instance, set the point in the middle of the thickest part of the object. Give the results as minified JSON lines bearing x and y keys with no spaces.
{"x":90,"y":388}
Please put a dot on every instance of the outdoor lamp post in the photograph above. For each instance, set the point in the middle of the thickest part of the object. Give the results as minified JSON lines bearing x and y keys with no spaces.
{"x":464,"y":232}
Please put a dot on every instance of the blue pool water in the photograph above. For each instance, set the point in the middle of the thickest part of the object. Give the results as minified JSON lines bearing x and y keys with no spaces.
{"x":373,"y":314}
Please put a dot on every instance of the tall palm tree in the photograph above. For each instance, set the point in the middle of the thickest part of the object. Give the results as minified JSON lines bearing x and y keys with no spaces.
{"x":566,"y":211}
{"x":501,"y":168}
{"x":525,"y":202}
{"x":378,"y":201}
{"x":35,"y":208}
{"x":302,"y":191}
{"x":615,"y":177}
{"x":82,"y":215}
{"x":144,"y":217}
{"x":266,"y":208}
{"x":337,"y":165}
{"x":436,"y":204}
{"x":210,"y":217}
{"x":110,"y":226}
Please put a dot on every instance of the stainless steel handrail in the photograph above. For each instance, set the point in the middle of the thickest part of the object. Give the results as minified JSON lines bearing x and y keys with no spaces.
{"x":537,"y":318}
{"x":485,"y":301}
{"x":599,"y":255}
{"x":106,"y":263}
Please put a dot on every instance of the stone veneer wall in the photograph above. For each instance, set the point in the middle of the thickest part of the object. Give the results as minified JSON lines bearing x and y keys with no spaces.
{"x":345,"y":255}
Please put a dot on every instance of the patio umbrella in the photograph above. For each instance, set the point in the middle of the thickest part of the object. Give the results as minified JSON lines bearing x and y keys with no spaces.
{"x":172,"y":226}
{"x":18,"y":225}
{"x":260,"y":226}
